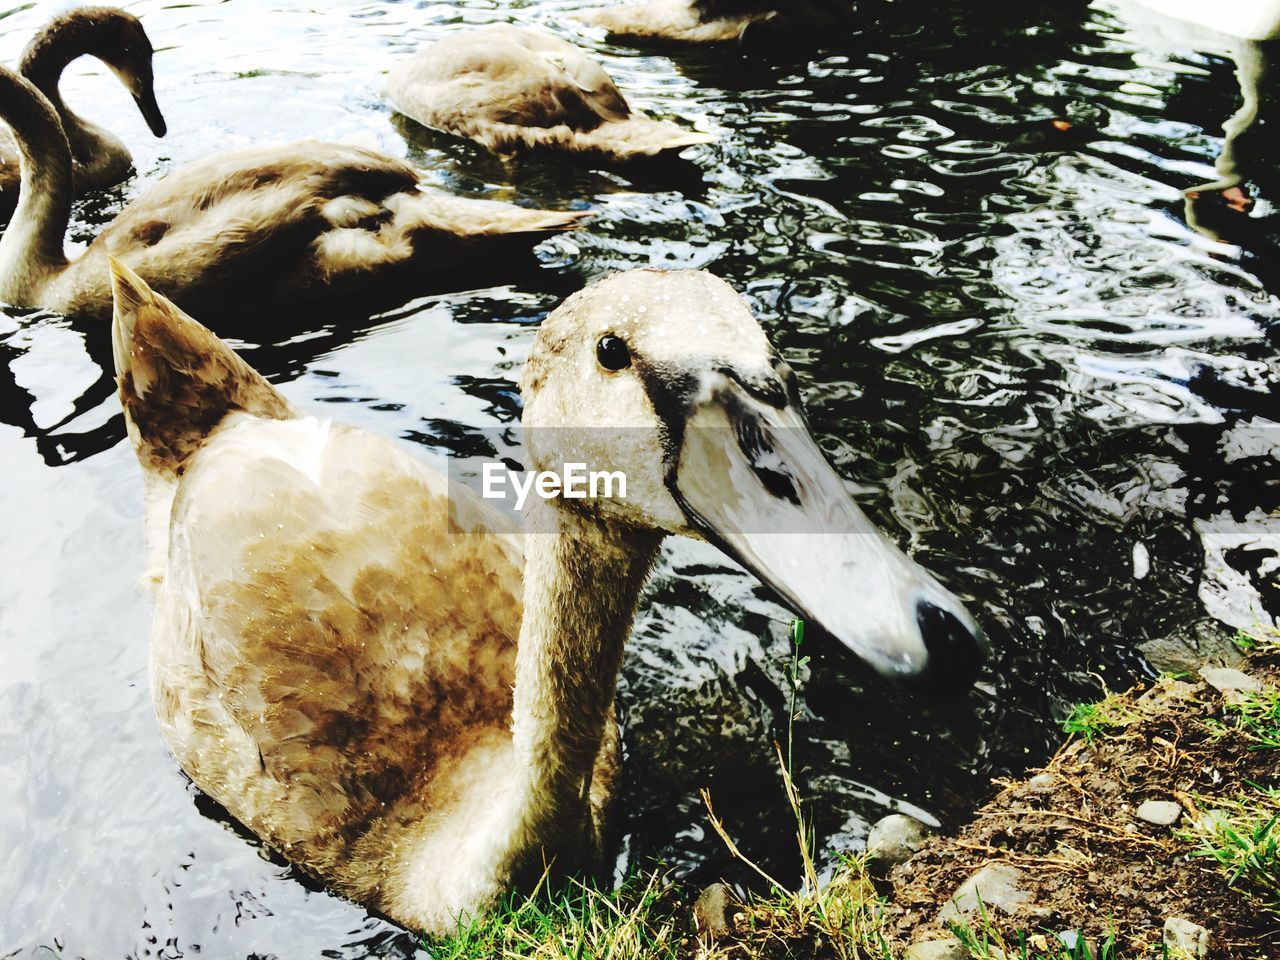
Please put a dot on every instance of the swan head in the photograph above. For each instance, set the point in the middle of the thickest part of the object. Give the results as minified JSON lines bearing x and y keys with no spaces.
{"x":668,"y":379}
{"x":119,"y":40}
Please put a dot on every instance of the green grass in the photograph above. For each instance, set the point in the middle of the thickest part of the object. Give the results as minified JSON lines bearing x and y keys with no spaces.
{"x":1244,"y":642}
{"x":1265,"y":640}
{"x":1091,"y":720}
{"x":984,"y":941}
{"x":1257,"y":716}
{"x":649,"y":918}
{"x":577,"y":923}
{"x":1242,"y":837}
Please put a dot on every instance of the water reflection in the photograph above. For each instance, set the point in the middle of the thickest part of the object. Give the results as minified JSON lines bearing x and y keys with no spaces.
{"x":971,"y":237}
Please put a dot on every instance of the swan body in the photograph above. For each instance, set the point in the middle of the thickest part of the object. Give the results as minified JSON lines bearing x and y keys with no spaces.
{"x":1234,"y":30}
{"x":299,"y":221}
{"x":516,"y":88}
{"x":395,"y":686}
{"x":717,"y":21}
{"x":117,"y":39}
{"x":1246,"y":19}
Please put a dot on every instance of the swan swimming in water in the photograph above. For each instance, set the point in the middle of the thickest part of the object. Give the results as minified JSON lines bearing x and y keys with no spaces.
{"x":391,"y":684}
{"x":516,"y":88}
{"x":717,"y":21}
{"x":119,"y":41}
{"x":300,"y":222}
{"x":1231,"y":30}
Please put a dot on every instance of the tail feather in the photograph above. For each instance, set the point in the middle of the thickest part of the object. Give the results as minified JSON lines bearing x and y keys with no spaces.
{"x":177,"y":380}
{"x":639,"y":136}
{"x":459,"y":219}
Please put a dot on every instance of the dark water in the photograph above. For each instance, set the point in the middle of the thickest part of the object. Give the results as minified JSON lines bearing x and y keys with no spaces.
{"x":1041,"y":378}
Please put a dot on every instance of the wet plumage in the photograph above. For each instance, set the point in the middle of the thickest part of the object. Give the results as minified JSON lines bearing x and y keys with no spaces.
{"x":517,"y":88}
{"x":117,"y":39}
{"x":299,"y":222}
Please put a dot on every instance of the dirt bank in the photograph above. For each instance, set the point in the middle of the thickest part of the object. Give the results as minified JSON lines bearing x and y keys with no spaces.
{"x":1087,"y":846}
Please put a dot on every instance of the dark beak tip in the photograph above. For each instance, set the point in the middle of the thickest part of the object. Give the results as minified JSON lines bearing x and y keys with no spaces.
{"x":956,"y":653}
{"x":151,"y":114}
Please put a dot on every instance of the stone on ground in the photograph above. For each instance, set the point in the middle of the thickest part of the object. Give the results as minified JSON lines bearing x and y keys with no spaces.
{"x":997,"y":885}
{"x":1229,"y":680}
{"x":893,"y":839}
{"x":1187,"y":937}
{"x":709,"y":910}
{"x":1160,"y":813}
{"x":946,"y":949}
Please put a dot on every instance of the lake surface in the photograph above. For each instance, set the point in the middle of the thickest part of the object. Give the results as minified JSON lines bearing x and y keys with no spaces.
{"x":1041,"y":368}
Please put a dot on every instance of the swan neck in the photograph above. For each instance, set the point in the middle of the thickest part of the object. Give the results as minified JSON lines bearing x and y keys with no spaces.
{"x":582,"y":583}
{"x":43,"y":62}
{"x":53,"y":49}
{"x":31,"y":247}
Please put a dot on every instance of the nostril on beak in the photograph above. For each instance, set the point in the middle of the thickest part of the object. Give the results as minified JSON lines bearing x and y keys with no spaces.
{"x":955,"y":651}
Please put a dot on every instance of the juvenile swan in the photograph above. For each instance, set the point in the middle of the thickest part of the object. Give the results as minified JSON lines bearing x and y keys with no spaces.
{"x":373,"y":672}
{"x":516,"y":88}
{"x":297,"y":222}
{"x":715,"y":21}
{"x":117,"y":39}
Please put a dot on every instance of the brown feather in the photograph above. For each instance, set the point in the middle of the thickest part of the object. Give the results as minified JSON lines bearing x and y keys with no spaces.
{"x":516,"y":88}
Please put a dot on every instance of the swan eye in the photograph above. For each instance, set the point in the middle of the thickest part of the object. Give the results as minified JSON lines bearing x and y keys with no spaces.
{"x":613,"y":353}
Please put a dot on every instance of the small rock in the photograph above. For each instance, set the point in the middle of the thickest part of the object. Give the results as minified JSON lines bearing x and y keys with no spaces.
{"x":1141,"y":561}
{"x":1042,"y":782}
{"x":1161,"y":813}
{"x":1072,"y":940}
{"x":709,"y":910}
{"x":1228,"y":679}
{"x":1214,"y":820}
{"x":947,"y":949}
{"x":996,"y":885}
{"x":1190,"y":938}
{"x":1187,"y":650}
{"x":895,"y":838}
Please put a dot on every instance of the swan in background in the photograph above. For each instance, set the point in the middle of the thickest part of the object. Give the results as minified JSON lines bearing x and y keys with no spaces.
{"x":117,"y":39}
{"x":297,"y":222}
{"x":375,"y":672}
{"x":1246,"y":19}
{"x":1232,"y":29}
{"x":517,"y":88}
{"x":716,"y":21}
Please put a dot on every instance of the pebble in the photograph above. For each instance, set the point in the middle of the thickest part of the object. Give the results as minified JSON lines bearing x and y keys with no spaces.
{"x":1073,"y":941}
{"x":1228,"y":679}
{"x":997,"y":885}
{"x":1042,"y":782}
{"x":947,"y":949}
{"x":893,"y":839}
{"x":1190,"y":938}
{"x":1141,"y":561}
{"x":710,"y":908}
{"x":1161,"y":813}
{"x":1192,"y":648}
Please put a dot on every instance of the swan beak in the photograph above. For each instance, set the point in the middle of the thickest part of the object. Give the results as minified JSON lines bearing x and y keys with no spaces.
{"x":144,"y":95}
{"x":751,"y":480}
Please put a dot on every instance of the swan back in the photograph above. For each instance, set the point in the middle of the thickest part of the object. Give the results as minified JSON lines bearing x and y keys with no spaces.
{"x":332,"y":653}
{"x":714,"y":21}
{"x":515,"y":88}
